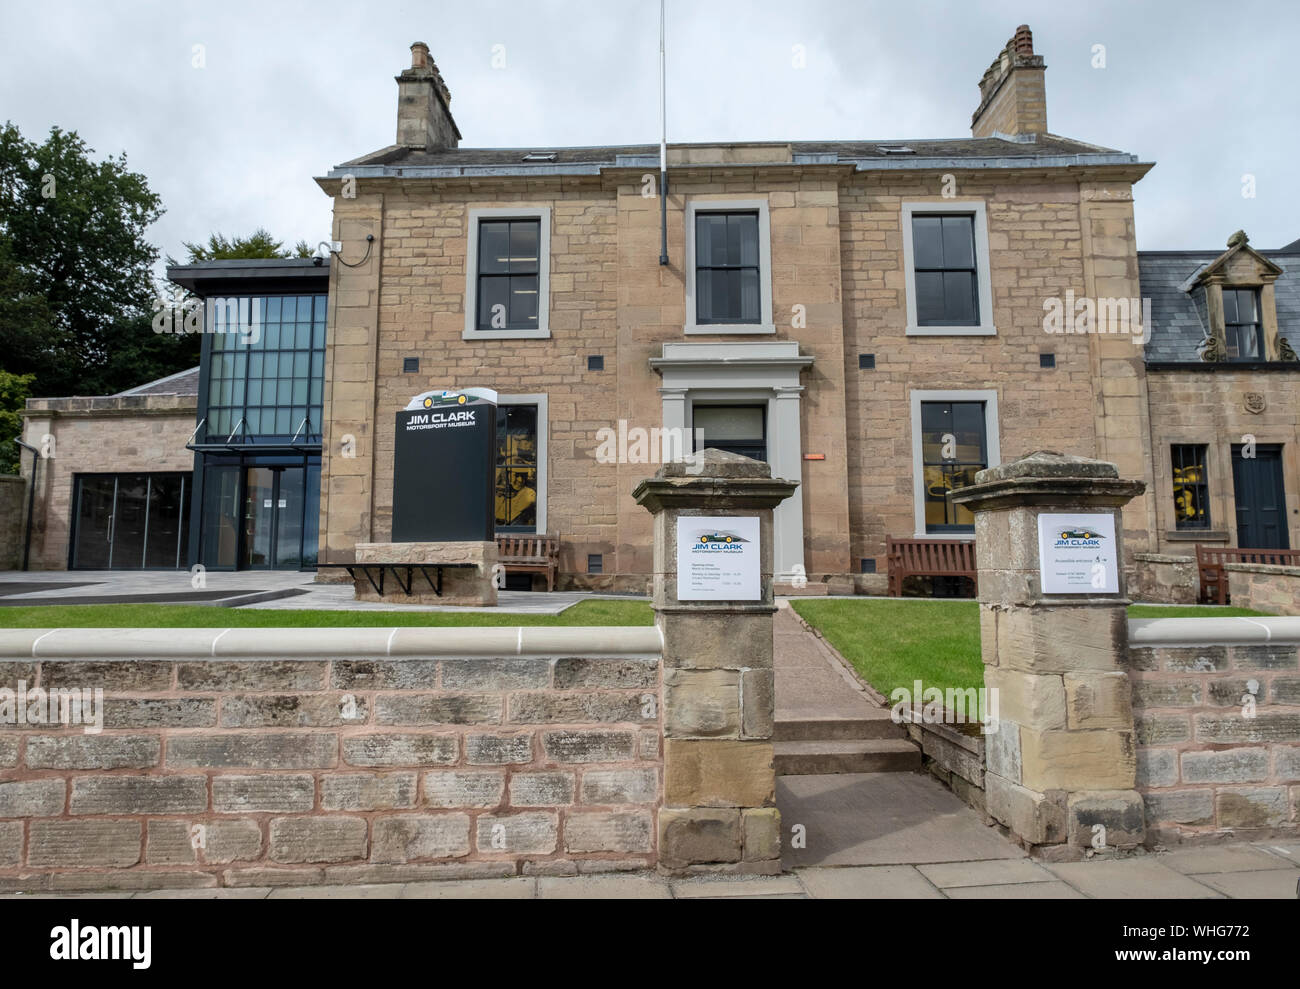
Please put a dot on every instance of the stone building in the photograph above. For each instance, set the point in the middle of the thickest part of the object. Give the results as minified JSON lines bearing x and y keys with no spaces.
{"x":866,"y":315}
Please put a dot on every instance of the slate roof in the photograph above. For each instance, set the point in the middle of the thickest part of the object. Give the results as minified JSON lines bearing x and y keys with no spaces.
{"x":1178,"y":319}
{"x":589,"y":158}
{"x":181,"y":383}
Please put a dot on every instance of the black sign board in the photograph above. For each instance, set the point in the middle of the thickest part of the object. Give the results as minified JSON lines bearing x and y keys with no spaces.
{"x":444,"y":468}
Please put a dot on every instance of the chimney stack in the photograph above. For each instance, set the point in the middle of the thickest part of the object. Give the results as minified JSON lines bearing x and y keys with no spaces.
{"x":1013,"y":93}
{"x":424,"y":118}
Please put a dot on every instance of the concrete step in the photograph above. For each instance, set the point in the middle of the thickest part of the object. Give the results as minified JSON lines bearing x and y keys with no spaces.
{"x":824,"y":756}
{"x":877,"y":724}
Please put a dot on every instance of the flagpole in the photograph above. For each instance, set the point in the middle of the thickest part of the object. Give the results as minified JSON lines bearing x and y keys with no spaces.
{"x":663,"y":145}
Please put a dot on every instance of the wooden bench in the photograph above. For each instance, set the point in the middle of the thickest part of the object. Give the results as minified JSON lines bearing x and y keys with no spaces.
{"x":928,"y":558}
{"x":527,"y":553}
{"x":1214,"y":580}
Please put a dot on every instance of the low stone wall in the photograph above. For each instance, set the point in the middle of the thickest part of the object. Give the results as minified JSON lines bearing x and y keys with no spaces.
{"x":252,"y":757}
{"x":1272,"y":590}
{"x":13,"y":514}
{"x":1160,"y":579}
{"x":1216,"y":706}
{"x":954,"y":757}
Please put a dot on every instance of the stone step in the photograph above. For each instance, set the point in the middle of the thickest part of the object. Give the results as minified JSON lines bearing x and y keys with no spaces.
{"x":825,"y":756}
{"x":878,"y":724}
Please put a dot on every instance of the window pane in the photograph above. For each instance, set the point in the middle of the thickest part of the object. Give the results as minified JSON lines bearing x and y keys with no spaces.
{"x":288,"y":309}
{"x":929,"y":298}
{"x":710,"y":239}
{"x":1246,"y":306}
{"x":747,"y":231}
{"x":927,"y":242}
{"x":729,"y":422}
{"x":1229,"y":306}
{"x":958,"y":242}
{"x":493,"y":247}
{"x":493,"y":291}
{"x":959,"y":298}
{"x":516,"y":479}
{"x":523,"y":301}
{"x":750,"y":309}
{"x":523,"y":245}
{"x":272,"y":311}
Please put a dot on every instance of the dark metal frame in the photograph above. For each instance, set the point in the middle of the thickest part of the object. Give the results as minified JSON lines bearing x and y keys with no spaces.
{"x":1177,"y":460}
{"x":370,"y":569}
{"x":973,"y":270}
{"x":757,"y":268}
{"x":479,"y":275}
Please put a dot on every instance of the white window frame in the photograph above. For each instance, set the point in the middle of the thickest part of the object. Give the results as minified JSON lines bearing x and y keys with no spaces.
{"x":543,"y":328}
{"x":983,"y":277}
{"x":543,"y":427}
{"x":766,"y":324}
{"x":991,"y":436}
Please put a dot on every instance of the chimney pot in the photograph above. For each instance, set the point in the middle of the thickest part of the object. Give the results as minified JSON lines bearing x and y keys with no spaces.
{"x":1013,"y":97}
{"x":419,"y":55}
{"x":1024,"y":40}
{"x":424,"y":118}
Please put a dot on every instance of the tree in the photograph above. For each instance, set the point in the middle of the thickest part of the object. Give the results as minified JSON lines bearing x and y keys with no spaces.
{"x":258,"y":244}
{"x":75,"y":270}
{"x":13,"y":397}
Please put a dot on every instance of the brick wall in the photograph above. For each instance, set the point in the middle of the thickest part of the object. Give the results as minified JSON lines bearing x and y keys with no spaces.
{"x":288,"y":771}
{"x":111,"y":434}
{"x":1208,"y":762}
{"x":1270,"y":589}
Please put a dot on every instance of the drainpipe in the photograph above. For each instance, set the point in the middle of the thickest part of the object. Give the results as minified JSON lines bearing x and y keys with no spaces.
{"x":31,"y":499}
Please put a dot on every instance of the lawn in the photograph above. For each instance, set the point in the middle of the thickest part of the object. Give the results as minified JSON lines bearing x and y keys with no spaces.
{"x":892,"y":643}
{"x":594,"y":612}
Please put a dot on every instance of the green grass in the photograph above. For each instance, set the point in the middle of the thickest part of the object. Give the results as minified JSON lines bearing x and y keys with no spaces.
{"x":892,"y":643}
{"x":596,"y":612}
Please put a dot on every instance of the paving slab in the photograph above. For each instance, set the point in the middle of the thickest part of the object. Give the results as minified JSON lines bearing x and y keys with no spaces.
{"x":519,"y":888}
{"x":211,"y":893}
{"x":900,"y":882}
{"x":1287,"y":851}
{"x":634,"y":887}
{"x":1270,"y":884}
{"x":1131,"y":879}
{"x":882,"y":819}
{"x":709,"y":887}
{"x":361,"y":891}
{"x":989,"y":873}
{"x":1055,"y":890}
{"x":1219,"y":858}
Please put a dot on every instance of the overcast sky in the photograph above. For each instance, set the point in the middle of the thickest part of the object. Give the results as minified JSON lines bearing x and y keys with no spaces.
{"x":287,"y":90}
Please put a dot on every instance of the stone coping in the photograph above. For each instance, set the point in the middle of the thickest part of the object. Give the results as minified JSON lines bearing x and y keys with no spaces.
{"x":1156,"y":632}
{"x":329,"y":643}
{"x":1162,"y":558}
{"x":1279,"y":570}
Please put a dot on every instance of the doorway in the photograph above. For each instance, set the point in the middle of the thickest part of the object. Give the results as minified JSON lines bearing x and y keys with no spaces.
{"x":1260,"y":498}
{"x":273,"y":518}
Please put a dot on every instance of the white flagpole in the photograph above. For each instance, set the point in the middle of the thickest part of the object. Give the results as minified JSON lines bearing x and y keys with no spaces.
{"x":663,"y":145}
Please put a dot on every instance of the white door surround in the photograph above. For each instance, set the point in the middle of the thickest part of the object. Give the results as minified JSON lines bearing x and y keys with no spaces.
{"x":747,"y":373}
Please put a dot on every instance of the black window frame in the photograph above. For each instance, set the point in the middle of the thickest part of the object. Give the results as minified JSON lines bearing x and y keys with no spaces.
{"x":952,"y":467}
{"x":482,"y":317}
{"x":973,"y":270}
{"x":1183,"y":456}
{"x":757,"y":267}
{"x":1232,"y":328}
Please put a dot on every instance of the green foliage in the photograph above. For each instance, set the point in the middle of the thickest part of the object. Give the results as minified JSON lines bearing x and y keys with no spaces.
{"x":258,"y":244}
{"x":74,"y":265}
{"x":13,"y":395}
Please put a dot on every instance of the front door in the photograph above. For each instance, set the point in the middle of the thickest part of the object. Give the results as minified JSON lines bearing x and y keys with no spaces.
{"x":1261,"y":499}
{"x":273,"y":514}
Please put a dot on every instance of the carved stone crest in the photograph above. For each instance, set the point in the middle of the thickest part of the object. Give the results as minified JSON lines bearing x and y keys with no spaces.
{"x":1255,"y":402}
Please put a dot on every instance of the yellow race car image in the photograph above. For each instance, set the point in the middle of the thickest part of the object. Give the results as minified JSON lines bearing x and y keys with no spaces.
{"x":1079,"y":534}
{"x":721,"y":537}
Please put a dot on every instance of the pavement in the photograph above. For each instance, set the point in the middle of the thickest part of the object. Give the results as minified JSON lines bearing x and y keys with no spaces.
{"x":1241,"y":871}
{"x":257,"y":589}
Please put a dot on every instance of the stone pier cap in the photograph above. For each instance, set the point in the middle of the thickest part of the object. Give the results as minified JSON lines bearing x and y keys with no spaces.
{"x":1049,"y":478}
{"x":727,"y":480}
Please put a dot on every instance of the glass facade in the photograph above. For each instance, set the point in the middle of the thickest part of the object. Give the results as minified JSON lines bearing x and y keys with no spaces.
{"x":130,"y":521}
{"x":267,"y":379}
{"x":954,"y":446}
{"x":261,"y":406}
